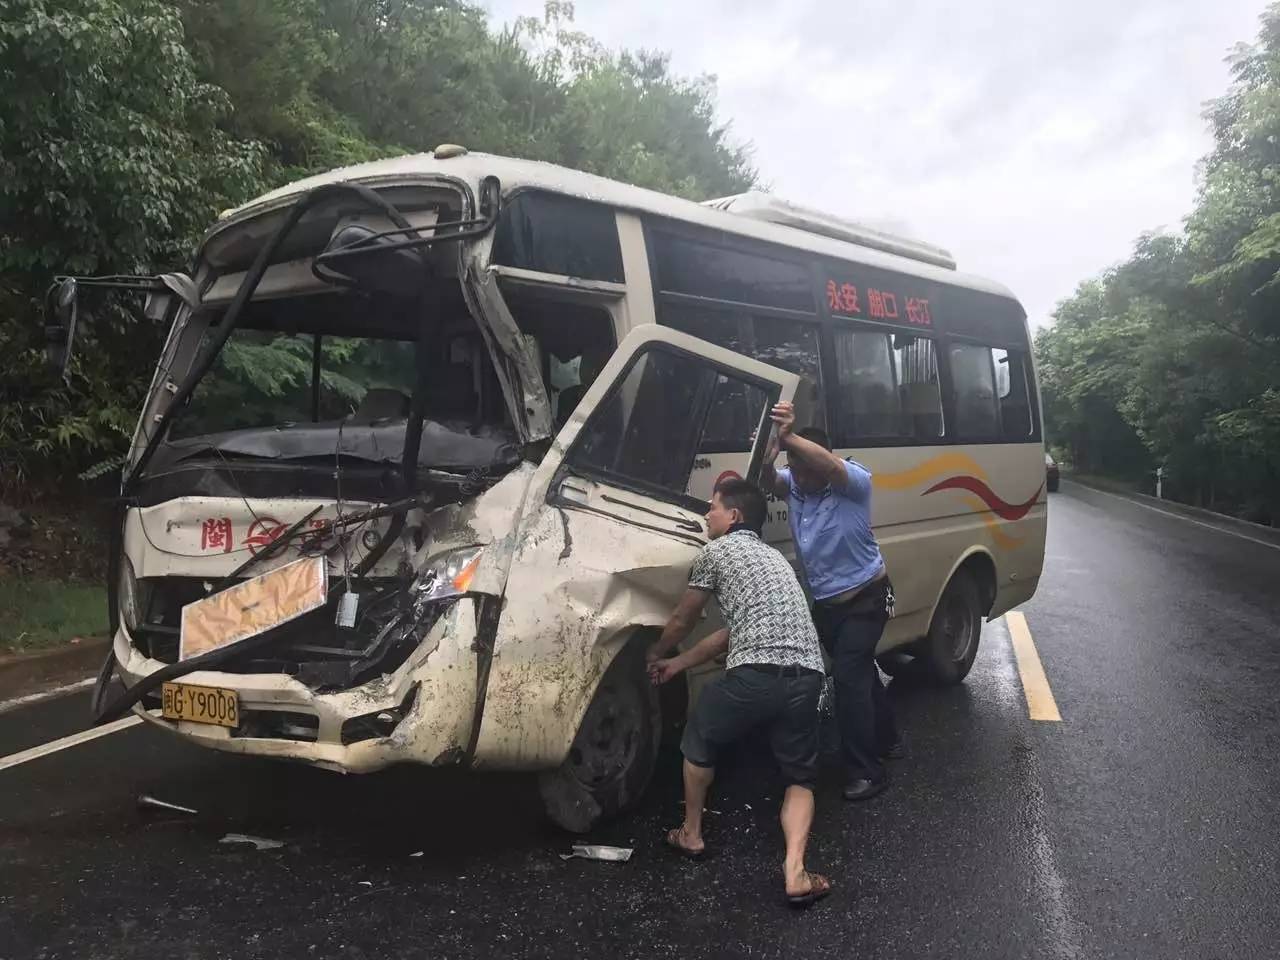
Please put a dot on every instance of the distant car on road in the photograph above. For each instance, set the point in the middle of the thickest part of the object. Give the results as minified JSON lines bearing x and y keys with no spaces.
{"x":1050,"y":473}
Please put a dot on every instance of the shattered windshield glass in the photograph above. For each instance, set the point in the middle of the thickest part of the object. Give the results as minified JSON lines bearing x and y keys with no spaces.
{"x":304,"y":378}
{"x":265,"y":378}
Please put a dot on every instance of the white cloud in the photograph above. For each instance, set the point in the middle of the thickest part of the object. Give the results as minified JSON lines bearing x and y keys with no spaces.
{"x":1035,"y":140}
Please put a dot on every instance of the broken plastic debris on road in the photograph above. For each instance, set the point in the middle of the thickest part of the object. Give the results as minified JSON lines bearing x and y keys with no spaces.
{"x":259,"y":843}
{"x":594,"y":851}
{"x":147,"y":802}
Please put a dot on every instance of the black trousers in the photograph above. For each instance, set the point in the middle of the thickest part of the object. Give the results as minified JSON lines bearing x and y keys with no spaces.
{"x":850,"y":633}
{"x":786,"y":699}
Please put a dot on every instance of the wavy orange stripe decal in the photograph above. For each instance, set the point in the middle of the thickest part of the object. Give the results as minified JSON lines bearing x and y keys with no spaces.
{"x":944,"y":463}
{"x":1006,"y":511}
{"x":994,"y":526}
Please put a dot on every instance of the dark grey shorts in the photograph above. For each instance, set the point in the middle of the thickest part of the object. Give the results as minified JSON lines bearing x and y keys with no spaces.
{"x":746,"y":697}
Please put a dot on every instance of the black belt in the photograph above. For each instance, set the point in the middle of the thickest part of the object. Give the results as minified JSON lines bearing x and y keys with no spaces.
{"x":778,"y":670}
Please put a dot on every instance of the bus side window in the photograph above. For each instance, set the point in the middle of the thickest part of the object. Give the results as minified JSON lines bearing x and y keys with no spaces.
{"x":1011,"y":389}
{"x":576,"y":374}
{"x":888,"y":388}
{"x":916,"y":361}
{"x":729,"y":296}
{"x":787,"y":344}
{"x":551,"y":233}
{"x":697,"y":268}
{"x":732,"y":407}
{"x":575,"y":342}
{"x":865,"y":402}
{"x":650,"y":429}
{"x":973,"y":379}
{"x":793,"y":346}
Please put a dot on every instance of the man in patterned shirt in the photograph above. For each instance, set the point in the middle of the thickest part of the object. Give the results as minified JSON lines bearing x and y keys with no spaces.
{"x":773,"y":673}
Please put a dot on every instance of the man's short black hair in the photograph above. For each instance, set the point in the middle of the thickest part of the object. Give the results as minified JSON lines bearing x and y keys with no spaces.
{"x":746,"y":498}
{"x":815,"y":435}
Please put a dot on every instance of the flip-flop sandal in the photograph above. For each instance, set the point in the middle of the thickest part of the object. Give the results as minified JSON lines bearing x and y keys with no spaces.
{"x":819,"y":887}
{"x":674,"y":843}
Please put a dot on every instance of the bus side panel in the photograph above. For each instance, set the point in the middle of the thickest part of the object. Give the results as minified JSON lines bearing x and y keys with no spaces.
{"x":931,"y":507}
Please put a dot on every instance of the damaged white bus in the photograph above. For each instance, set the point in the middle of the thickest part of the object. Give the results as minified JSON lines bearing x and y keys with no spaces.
{"x":425,"y":456}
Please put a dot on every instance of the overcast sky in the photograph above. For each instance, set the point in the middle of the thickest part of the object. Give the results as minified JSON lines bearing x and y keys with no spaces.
{"x":1035,"y":140}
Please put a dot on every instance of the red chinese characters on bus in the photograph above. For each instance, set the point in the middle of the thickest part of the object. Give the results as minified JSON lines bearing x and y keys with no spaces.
{"x":918,"y":312}
{"x":845,"y":299}
{"x":215,"y":534}
{"x":842,"y":298}
{"x":883,"y":305}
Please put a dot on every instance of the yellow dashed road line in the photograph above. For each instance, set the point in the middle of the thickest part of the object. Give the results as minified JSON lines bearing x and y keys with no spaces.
{"x":1040,"y":702}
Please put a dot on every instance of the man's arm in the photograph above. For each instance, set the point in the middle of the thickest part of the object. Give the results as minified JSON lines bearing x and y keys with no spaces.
{"x":681,"y":623}
{"x":770,"y":481}
{"x":818,"y":459}
{"x":708,"y":648}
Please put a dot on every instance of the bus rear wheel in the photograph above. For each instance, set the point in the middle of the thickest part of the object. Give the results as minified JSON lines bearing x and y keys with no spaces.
{"x":614,"y":752}
{"x":950,"y":646}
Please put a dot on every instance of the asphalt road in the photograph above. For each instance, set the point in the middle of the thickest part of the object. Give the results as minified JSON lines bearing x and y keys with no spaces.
{"x":1145,"y":824}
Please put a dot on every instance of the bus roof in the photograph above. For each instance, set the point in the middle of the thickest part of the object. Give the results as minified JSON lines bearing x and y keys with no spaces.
{"x":517,"y":174}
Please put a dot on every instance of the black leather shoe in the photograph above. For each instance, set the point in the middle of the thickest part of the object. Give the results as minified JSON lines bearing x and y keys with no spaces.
{"x":896,"y":751}
{"x":864,"y":789}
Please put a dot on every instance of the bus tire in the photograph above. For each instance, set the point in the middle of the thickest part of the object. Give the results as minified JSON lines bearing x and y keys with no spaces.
{"x":951,"y":644}
{"x":614,"y":752}
{"x":673,"y":699}
{"x":896,"y":663}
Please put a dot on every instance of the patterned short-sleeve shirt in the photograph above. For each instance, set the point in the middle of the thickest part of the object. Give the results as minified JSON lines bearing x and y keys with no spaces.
{"x":763,"y":604}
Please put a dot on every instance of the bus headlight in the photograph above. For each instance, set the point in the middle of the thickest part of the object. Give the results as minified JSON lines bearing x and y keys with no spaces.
{"x":450,"y":574}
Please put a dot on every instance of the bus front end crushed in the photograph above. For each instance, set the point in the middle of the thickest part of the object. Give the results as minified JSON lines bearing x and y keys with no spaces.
{"x":397,"y":674}
{"x":316,"y":515}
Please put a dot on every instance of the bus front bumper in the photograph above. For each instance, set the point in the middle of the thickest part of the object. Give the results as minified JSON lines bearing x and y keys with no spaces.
{"x":424,"y":712}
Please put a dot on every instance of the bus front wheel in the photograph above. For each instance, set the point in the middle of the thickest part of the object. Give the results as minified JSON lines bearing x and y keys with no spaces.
{"x":613,"y":755}
{"x":949,"y":648}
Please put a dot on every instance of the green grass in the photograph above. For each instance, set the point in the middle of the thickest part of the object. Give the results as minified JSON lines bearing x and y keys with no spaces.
{"x":36,"y":613}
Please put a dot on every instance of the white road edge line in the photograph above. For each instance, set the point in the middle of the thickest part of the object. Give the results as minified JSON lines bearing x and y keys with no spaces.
{"x":7,"y":705}
{"x":53,"y":746}
{"x":1178,"y":516}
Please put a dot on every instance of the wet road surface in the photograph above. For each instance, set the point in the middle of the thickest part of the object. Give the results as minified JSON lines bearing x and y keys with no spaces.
{"x":1145,"y":824}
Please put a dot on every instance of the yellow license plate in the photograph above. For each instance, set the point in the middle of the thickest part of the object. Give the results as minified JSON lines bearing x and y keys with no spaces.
{"x":184,"y":701}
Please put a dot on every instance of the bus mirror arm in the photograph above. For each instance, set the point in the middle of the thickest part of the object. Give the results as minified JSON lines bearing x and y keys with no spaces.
{"x":62,"y":308}
{"x":61,"y":314}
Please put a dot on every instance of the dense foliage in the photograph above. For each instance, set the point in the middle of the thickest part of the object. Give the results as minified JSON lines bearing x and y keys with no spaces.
{"x":126,"y":125}
{"x":1172,"y":359}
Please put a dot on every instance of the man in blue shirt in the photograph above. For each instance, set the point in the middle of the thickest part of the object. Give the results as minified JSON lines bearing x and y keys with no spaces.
{"x":829,"y":507}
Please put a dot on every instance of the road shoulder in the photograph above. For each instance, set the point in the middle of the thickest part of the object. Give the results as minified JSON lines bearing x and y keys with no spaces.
{"x":25,"y":674}
{"x":1220,"y":521}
